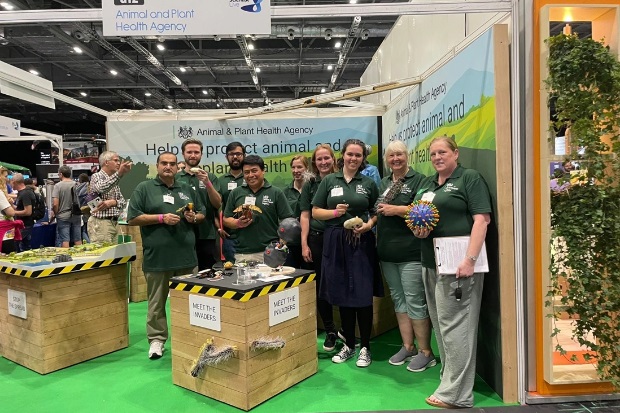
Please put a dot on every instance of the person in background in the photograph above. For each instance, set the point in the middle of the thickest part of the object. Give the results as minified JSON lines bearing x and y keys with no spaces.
{"x":235,"y":154}
{"x":168,"y":240}
{"x":7,"y":212}
{"x":207,"y":189}
{"x":399,"y":255}
{"x":81,"y":191}
{"x":11,"y":194}
{"x":350,"y":273}
{"x":256,"y":233}
{"x":462,"y":198}
{"x":323,"y":164}
{"x":23,"y":210}
{"x":369,"y":170}
{"x":299,"y":170}
{"x":69,"y":226}
{"x":103,"y":219}
{"x":181,"y":165}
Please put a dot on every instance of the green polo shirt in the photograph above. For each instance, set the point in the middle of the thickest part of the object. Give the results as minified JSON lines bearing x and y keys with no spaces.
{"x":463,"y":195}
{"x":305,"y":203}
{"x":206,"y":229}
{"x":166,"y":247}
{"x":361,"y":194}
{"x":264,"y":227}
{"x":227,"y":183}
{"x":395,"y":241}
{"x":292,"y":196}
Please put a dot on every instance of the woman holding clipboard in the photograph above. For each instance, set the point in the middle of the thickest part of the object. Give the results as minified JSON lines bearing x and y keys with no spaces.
{"x":462,"y":198}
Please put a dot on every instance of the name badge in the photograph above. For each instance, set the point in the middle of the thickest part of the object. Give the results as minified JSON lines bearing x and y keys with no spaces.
{"x":428,"y":197}
{"x":337,"y":192}
{"x":232,"y":185}
{"x":169,"y":199}
{"x":249,"y":200}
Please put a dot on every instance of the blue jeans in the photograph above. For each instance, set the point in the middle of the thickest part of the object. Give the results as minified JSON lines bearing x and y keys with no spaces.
{"x":24,"y":244}
{"x":69,"y":230}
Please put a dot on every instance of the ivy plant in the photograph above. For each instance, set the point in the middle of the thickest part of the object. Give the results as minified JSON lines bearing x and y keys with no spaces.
{"x":584,"y":82}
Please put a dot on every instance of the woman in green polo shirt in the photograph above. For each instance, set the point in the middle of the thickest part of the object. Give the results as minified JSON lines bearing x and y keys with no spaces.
{"x":462,"y":198}
{"x":399,"y":254}
{"x":323,"y":164}
{"x":299,"y":170}
{"x":350,"y":273}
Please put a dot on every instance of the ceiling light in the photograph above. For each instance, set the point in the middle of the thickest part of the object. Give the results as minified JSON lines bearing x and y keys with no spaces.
{"x":182,"y":69}
{"x":217,"y":104}
{"x":257,"y":70}
{"x":77,"y":50}
{"x":147,"y":94}
{"x":352,"y":1}
{"x":84,"y":94}
{"x":7,"y":6}
{"x":169,"y":106}
{"x":34,"y":72}
{"x":330,"y":67}
{"x":337,"y":45}
{"x":113,"y":72}
{"x":161,"y":47}
{"x":204,"y":92}
{"x":322,"y":90}
{"x":250,"y":46}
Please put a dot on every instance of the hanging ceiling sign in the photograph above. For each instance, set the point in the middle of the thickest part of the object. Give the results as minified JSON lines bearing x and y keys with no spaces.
{"x":180,"y":18}
{"x":9,"y":127}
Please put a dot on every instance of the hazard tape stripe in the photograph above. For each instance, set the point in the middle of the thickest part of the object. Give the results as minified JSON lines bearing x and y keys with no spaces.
{"x":69,"y":268}
{"x":241,"y":296}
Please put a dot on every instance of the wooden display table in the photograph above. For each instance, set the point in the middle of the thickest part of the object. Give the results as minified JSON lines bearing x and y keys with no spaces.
{"x":57,"y":315}
{"x":243,"y":313}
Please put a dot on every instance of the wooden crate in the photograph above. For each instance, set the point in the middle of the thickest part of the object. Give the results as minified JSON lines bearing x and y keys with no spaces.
{"x":137,"y":281}
{"x":251,"y":377}
{"x":383,"y":316}
{"x":70,"y":318}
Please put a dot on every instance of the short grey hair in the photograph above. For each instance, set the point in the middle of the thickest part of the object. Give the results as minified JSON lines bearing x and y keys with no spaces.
{"x":65,"y":171}
{"x":106,"y":156}
{"x":18,"y":178}
{"x":396,"y":146}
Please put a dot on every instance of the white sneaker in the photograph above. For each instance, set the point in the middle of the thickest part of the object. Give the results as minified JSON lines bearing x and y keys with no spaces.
{"x":363,"y":360}
{"x":343,"y":355}
{"x":156,"y":350}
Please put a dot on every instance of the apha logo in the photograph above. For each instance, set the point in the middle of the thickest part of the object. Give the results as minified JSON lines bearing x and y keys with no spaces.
{"x":129,"y":2}
{"x":253,"y":8}
{"x":185,"y":132}
{"x":397,"y":116}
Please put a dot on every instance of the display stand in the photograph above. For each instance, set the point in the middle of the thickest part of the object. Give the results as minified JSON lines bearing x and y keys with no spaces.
{"x":57,"y":315}
{"x":243,"y":314}
{"x":137,"y":281}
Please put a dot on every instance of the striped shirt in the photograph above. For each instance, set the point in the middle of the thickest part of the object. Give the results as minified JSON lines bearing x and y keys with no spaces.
{"x":106,"y":186}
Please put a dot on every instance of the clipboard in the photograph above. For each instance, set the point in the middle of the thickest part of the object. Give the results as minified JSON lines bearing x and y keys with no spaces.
{"x":450,"y":251}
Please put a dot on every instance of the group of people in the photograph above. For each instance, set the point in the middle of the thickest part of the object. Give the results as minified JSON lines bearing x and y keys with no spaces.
{"x":17,"y":206}
{"x":324,"y":194}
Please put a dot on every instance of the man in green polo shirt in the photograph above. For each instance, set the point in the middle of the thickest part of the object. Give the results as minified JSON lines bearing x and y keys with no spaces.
{"x":235,"y":153}
{"x":255,"y":233}
{"x":167,"y":238}
{"x":207,"y":188}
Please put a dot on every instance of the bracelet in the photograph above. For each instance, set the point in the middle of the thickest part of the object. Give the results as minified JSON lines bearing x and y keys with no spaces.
{"x":472,"y":257}
{"x":161,"y":218}
{"x":335,"y":213}
{"x":209,"y":183}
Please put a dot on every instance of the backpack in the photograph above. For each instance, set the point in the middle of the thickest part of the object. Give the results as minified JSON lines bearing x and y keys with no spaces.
{"x":75,"y":204}
{"x":38,"y":206}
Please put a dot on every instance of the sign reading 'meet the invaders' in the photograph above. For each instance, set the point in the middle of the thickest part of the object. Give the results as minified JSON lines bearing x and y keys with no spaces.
{"x":165,"y":18}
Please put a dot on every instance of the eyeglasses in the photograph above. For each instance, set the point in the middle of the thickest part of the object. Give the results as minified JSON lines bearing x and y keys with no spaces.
{"x":235,"y":154}
{"x":117,"y":160}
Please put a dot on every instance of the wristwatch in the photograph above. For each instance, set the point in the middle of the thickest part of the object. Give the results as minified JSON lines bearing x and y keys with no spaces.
{"x":472,"y":257}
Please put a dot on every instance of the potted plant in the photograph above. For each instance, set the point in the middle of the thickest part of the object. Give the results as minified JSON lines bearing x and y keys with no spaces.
{"x":584,"y":82}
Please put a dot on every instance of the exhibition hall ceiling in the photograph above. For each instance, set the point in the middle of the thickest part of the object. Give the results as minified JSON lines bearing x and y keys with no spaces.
{"x":299,"y":58}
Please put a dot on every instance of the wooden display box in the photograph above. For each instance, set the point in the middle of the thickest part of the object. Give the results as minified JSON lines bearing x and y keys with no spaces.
{"x":137,"y":281}
{"x":251,"y":377}
{"x":70,"y":318}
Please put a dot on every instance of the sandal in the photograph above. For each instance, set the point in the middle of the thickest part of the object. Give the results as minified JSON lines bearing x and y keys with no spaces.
{"x":435,"y":402}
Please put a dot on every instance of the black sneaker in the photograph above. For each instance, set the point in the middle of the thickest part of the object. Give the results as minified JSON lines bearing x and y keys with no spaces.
{"x":343,"y":338}
{"x":330,"y":342}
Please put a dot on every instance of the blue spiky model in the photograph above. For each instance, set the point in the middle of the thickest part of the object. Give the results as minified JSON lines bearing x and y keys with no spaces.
{"x":422,"y":215}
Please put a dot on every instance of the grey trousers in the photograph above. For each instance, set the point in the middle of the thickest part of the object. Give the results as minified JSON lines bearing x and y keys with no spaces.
{"x":456,"y":330}
{"x":157,"y":295}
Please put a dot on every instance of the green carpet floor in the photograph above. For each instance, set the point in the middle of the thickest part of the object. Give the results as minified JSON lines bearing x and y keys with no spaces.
{"x":127,"y":381}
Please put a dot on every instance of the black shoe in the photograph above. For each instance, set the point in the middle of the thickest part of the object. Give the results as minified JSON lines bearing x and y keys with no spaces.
{"x":330,"y":342}
{"x":343,"y":338}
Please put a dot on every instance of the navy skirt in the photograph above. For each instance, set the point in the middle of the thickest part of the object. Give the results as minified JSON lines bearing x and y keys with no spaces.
{"x":350,"y":274}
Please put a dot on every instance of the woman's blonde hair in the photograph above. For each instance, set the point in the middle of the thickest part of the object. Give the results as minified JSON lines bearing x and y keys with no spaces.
{"x":329,"y":149}
{"x":396,"y":146}
{"x":449,"y":140}
{"x":301,"y":158}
